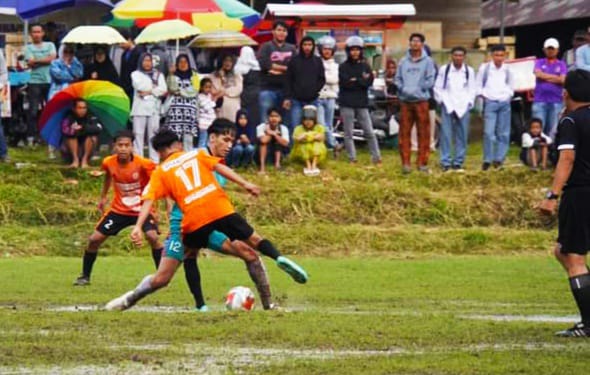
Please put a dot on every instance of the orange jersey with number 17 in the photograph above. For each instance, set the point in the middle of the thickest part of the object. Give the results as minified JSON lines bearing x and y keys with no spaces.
{"x":187,"y":178}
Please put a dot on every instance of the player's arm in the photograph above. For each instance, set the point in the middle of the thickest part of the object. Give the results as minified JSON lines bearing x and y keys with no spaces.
{"x":136,"y":233}
{"x":106,"y":185}
{"x":228,"y":173}
{"x":562,"y":174}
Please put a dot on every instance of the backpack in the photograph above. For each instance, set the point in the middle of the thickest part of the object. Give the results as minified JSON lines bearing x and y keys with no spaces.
{"x":486,"y":72}
{"x":446,"y":78}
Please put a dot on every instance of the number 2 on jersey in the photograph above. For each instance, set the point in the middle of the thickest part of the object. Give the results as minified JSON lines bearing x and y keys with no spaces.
{"x":181,"y":172}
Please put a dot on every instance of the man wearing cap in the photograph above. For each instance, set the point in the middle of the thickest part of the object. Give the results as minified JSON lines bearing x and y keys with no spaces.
{"x":583,"y":54}
{"x":569,"y":57}
{"x":550,"y":73}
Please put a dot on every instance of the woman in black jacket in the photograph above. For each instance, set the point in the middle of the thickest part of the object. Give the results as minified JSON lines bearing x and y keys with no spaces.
{"x":102,"y":67}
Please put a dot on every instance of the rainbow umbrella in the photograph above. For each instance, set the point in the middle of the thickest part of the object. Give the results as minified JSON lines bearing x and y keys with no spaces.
{"x":207,"y":15}
{"x":106,"y":101}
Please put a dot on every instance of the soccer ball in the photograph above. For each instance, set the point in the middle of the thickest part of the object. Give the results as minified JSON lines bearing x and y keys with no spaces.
{"x":239,"y":298}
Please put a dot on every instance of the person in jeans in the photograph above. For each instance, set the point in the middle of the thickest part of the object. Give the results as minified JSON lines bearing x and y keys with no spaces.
{"x":329,"y":93}
{"x":38,"y":55}
{"x":455,"y":91}
{"x":495,"y":81}
{"x":273,"y":57}
{"x":355,"y":77}
{"x":550,"y":73}
{"x":305,"y":79}
{"x":4,"y":87}
{"x":414,"y":80}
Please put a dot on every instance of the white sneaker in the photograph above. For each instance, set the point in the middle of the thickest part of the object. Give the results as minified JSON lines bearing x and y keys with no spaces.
{"x":315,"y":172}
{"x":51,"y":155}
{"x":307,"y":171}
{"x":120,"y":303}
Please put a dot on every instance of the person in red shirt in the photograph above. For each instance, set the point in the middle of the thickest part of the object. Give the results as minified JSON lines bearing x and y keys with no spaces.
{"x":188,"y":178}
{"x":128,"y":174}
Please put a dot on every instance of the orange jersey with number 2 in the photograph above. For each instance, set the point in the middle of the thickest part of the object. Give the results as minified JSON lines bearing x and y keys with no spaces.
{"x":187,"y":178}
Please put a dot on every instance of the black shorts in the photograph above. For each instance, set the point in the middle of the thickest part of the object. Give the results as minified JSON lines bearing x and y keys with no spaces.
{"x":233,"y":226}
{"x":112,"y":223}
{"x":574,"y":221}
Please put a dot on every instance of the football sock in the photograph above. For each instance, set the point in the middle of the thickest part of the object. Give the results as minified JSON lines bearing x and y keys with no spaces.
{"x":157,"y":256}
{"x":143,"y":289}
{"x":88,"y":262}
{"x":259,"y":276}
{"x":580,"y":286}
{"x":268,"y":249}
{"x":193,"y":279}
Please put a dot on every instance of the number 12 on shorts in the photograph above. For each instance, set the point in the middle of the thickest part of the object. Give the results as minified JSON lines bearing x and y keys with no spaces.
{"x":181,"y":173}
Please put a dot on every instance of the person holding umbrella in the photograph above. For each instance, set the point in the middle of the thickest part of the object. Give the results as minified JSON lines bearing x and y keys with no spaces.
{"x":102,"y":67}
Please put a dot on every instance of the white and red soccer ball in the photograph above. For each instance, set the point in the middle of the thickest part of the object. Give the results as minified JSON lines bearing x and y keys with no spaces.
{"x":239,"y":298}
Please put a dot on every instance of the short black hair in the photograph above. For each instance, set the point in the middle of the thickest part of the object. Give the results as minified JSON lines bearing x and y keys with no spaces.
{"x":124,"y":134}
{"x":417,"y":35}
{"x":273,"y":109}
{"x":163,"y":139}
{"x":497,"y":48}
{"x":458,"y":49}
{"x":36,"y":24}
{"x":577,"y":85}
{"x":222,"y":126}
{"x":280,"y":23}
{"x":536,"y":119}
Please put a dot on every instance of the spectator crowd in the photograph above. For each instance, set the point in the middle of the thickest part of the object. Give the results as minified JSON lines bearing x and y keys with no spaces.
{"x":284,"y":99}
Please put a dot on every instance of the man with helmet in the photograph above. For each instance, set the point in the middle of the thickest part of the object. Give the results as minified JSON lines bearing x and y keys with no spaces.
{"x":355,"y":77}
{"x":329,"y":93}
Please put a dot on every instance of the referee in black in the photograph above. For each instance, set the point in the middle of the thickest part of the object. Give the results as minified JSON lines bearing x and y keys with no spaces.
{"x":572,"y":184}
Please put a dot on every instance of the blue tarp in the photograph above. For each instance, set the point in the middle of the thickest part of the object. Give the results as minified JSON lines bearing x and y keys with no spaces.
{"x":27,"y":9}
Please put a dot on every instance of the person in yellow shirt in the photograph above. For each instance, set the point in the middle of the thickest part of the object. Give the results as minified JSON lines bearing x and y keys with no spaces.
{"x":309,"y":142}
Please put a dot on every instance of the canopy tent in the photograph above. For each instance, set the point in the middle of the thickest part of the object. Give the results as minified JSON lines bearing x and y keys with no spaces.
{"x":8,"y":7}
{"x":28,"y":9}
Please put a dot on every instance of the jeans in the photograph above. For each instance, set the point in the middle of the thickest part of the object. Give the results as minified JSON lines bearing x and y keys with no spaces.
{"x":38,"y":93}
{"x":326,"y":117}
{"x":549,"y":114}
{"x":297,"y":112}
{"x":272,"y":99}
{"x":203,"y":138}
{"x":362,"y":116}
{"x":496,"y":130}
{"x":454,"y":129}
{"x":414,"y":113}
{"x":3,"y":147}
{"x":240,"y":156}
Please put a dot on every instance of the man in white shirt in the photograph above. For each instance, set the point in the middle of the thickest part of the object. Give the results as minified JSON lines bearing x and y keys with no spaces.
{"x":455,"y":91}
{"x":495,"y":83}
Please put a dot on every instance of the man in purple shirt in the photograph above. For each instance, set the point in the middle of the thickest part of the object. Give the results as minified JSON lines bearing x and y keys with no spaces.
{"x":550,"y":73}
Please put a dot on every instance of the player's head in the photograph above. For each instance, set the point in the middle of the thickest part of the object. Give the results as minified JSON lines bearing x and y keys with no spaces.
{"x":577,"y":88}
{"x":222,"y":134}
{"x":165,"y":142}
{"x":123,"y":145}
{"x":535,"y":126}
{"x":274,"y":116}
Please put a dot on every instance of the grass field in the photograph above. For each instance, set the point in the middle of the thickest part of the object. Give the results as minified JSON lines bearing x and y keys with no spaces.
{"x":440,"y":274}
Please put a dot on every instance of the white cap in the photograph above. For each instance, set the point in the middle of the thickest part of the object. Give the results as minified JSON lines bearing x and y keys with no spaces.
{"x":551,"y":42}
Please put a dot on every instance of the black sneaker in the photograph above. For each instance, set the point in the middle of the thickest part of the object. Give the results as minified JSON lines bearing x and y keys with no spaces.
{"x":578,"y":330}
{"x":458,"y":168}
{"x":498,"y":165}
{"x":82,"y":281}
{"x":446,"y":168}
{"x":485,"y":166}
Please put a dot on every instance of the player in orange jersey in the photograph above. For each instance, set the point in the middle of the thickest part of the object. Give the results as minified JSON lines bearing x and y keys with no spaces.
{"x":128,"y":174}
{"x":188,"y":178}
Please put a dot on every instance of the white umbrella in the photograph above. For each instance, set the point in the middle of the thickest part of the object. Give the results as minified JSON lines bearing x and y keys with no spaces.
{"x":93,"y":35}
{"x":219,"y":39}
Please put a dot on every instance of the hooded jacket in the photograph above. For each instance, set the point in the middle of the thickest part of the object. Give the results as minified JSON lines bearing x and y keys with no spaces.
{"x":305,"y":76}
{"x":415,"y":79}
{"x":354,"y":87}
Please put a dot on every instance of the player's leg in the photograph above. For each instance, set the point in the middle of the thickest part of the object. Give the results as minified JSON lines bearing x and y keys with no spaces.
{"x":193,"y":280}
{"x":150,"y":228}
{"x":147,"y":286}
{"x":94,"y":241}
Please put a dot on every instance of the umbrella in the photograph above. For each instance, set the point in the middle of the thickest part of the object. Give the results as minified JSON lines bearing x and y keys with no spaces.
{"x":221,"y":39}
{"x":93,"y":35}
{"x":207,"y":15}
{"x":27,"y":9}
{"x":106,"y":101}
{"x":166,"y":30}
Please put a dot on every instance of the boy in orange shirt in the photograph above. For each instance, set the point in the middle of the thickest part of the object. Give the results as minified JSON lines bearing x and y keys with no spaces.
{"x":128,"y":174}
{"x":187,"y":178}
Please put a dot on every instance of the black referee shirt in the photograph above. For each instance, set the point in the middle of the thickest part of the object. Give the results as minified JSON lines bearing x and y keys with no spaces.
{"x":573,"y":133}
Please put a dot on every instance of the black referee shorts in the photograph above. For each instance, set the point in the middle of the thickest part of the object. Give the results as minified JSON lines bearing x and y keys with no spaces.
{"x":234,"y":226}
{"x":574,"y":221}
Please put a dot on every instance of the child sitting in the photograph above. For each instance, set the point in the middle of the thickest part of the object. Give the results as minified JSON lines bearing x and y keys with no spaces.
{"x":273,"y":139}
{"x":535,"y":145}
{"x":243,"y":151}
{"x":207,"y":107}
{"x":309,"y":145}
